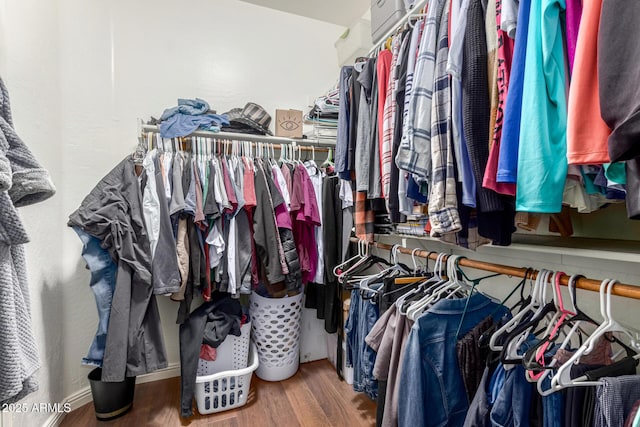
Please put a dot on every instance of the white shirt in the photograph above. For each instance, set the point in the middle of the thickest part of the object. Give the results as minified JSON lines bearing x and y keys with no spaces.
{"x":282,"y":183}
{"x":346,"y":194}
{"x":151,"y":202}
{"x":167,"y":159}
{"x":216,"y":245}
{"x":509,"y":17}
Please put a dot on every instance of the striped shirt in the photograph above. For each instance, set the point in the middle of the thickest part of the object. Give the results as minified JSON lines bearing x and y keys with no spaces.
{"x":388,"y":123}
{"x":414,"y":154}
{"x":443,"y":202}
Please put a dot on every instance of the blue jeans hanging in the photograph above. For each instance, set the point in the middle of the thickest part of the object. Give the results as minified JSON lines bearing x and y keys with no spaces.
{"x":102,"y":283}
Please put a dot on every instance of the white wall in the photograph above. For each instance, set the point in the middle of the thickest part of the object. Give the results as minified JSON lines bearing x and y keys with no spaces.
{"x":80,"y":73}
{"x":29,"y":65}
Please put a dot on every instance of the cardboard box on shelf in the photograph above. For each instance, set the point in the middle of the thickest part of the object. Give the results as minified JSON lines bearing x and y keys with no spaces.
{"x":289,"y":123}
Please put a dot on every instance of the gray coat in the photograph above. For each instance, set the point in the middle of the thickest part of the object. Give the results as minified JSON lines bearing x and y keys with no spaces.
{"x":22,"y":182}
{"x":112,"y":212}
{"x":18,"y":351}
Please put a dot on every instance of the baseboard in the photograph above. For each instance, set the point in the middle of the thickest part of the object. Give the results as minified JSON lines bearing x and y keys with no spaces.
{"x":6,"y":420}
{"x":82,"y":397}
{"x":171,"y":371}
{"x":55,"y":419}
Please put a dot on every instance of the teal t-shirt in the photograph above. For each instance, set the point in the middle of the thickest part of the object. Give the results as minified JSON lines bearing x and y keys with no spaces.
{"x":542,"y":152}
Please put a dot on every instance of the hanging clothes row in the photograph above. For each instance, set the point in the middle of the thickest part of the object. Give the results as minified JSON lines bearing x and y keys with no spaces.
{"x":187,"y":218}
{"x":432,"y":124}
{"x":440,"y":352}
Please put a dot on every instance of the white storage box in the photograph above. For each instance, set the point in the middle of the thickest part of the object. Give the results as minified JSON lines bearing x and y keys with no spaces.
{"x":224,"y":383}
{"x":384,"y":16}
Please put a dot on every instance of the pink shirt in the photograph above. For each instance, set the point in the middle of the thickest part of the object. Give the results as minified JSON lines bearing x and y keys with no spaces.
{"x":304,"y":211}
{"x":283,"y":219}
{"x":199,"y":214}
{"x":505,"y":58}
{"x":249,"y":191}
{"x":287,"y":176}
{"x":383,"y":68}
{"x":572,"y":21}
{"x":231,"y":194}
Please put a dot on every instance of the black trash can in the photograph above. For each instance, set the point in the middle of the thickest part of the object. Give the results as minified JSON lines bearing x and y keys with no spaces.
{"x":111,"y":400}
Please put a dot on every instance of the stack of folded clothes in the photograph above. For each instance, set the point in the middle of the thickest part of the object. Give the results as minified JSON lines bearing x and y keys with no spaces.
{"x":188,"y":116}
{"x":252,"y":119}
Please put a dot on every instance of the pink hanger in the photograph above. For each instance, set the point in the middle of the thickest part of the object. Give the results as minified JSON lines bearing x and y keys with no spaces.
{"x":564,"y":314}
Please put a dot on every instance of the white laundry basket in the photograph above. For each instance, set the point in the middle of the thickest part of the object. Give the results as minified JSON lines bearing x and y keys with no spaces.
{"x":224,"y":383}
{"x":276,"y":333}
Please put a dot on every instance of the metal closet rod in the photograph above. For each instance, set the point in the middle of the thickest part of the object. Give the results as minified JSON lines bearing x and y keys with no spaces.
{"x":619,"y":289}
{"x":248,"y":137}
{"x":268,"y":146}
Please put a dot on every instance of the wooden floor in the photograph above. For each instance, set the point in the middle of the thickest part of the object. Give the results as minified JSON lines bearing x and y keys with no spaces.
{"x":313,"y":397}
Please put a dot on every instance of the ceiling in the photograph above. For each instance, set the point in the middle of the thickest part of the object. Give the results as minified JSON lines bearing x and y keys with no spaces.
{"x":339,"y":12}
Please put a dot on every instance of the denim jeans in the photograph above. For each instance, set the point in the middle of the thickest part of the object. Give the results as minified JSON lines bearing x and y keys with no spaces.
{"x":511,"y":397}
{"x":102,"y":283}
{"x":510,"y":393}
{"x":432,"y":392}
{"x":363,"y":314}
{"x":552,"y":407}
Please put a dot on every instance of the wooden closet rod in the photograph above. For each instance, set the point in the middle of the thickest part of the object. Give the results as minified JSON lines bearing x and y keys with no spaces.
{"x":619,"y":289}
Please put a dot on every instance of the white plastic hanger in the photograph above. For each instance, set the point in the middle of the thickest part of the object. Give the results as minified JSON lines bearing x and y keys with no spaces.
{"x":512,"y":351}
{"x":356,"y":257}
{"x":554,"y":328}
{"x":358,"y":278}
{"x":413,"y":259}
{"x":358,"y":263}
{"x":436,"y":278}
{"x":417,"y":308}
{"x":396,"y":268}
{"x":563,"y":379}
{"x":568,"y":339}
{"x":515,"y":320}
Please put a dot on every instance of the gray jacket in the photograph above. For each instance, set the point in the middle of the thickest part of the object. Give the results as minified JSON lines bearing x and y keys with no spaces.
{"x":265,"y":231}
{"x":112,"y":212}
{"x":19,"y":354}
{"x":22,"y":182}
{"x":165,"y":273}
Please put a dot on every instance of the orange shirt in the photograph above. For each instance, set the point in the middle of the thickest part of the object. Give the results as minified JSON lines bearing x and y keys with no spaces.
{"x":587,"y":133}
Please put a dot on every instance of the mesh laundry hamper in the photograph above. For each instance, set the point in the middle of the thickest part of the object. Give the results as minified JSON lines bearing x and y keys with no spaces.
{"x":276,"y":333}
{"x":224,"y":383}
